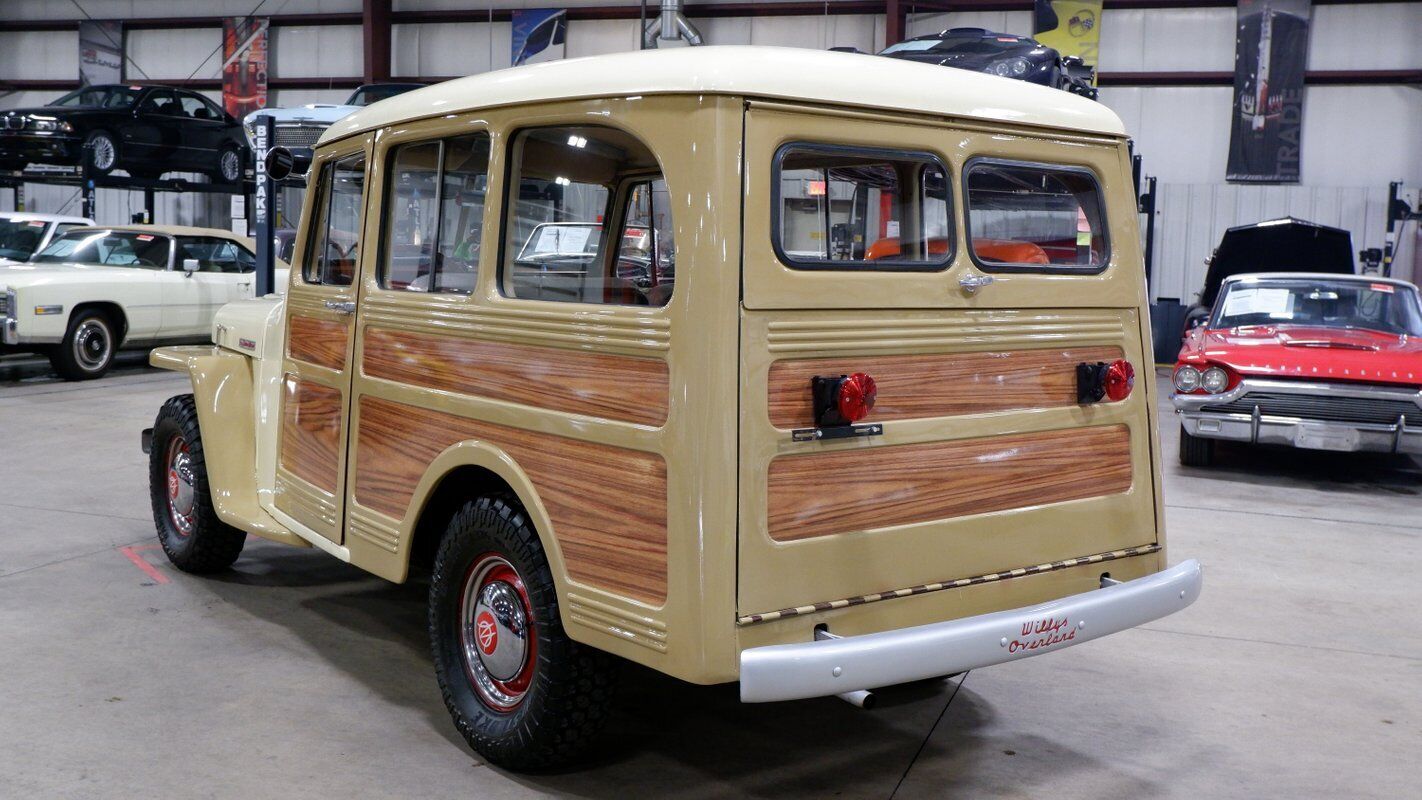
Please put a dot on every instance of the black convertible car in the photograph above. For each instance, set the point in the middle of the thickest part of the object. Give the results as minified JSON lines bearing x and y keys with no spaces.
{"x":144,"y":130}
{"x":1004,"y":54}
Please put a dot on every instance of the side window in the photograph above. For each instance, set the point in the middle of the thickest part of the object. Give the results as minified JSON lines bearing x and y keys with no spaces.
{"x":194,"y":107}
{"x":212,"y":254}
{"x":334,"y":239}
{"x":857,"y":208}
{"x":572,"y":189}
{"x":436,"y":215}
{"x":161,"y":102}
{"x":1035,"y":217}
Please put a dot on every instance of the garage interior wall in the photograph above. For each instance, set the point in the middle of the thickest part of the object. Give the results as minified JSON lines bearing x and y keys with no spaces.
{"x":1356,"y":138}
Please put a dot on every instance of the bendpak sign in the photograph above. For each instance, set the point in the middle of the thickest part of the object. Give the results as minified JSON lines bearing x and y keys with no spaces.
{"x":1271,"y":53}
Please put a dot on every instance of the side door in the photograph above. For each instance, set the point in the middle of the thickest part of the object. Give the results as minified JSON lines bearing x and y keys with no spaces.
{"x":315,"y":383}
{"x":200,"y":131}
{"x":150,"y":134}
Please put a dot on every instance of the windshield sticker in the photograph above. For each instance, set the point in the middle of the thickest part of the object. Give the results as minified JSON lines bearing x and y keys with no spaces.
{"x":558,"y":239}
{"x":35,"y":224}
{"x":1381,"y":287}
{"x":1276,"y":303}
{"x":143,"y":237}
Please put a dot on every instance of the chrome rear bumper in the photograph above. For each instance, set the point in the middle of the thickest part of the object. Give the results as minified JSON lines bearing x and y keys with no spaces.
{"x":834,"y":666}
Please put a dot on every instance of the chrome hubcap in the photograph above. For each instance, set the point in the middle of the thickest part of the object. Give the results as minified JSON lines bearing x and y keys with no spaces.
{"x":496,"y":634}
{"x":91,"y":344}
{"x":180,"y":486}
{"x":103,"y":152}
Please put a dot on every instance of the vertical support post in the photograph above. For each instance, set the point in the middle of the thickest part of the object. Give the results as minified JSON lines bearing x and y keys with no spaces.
{"x":895,"y":22}
{"x":1149,"y":208}
{"x":149,"y":215}
{"x":88,"y":202}
{"x":260,"y":211}
{"x":375,"y":29}
{"x":1391,"y":238}
{"x":19,"y":193}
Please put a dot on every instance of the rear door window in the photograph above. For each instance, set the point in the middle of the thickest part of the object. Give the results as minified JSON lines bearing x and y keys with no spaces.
{"x":861,"y":208}
{"x":1035,"y":217}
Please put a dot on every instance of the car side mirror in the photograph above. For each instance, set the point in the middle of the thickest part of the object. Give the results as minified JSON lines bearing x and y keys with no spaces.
{"x":190,"y":265}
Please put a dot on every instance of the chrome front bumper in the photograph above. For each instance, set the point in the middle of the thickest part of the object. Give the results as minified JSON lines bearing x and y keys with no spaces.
{"x":834,"y":666}
{"x":1402,"y":435}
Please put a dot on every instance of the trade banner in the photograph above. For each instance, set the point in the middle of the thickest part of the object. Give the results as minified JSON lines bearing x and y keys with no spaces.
{"x":100,"y":52}
{"x":1270,"y":56}
{"x":1071,"y":27}
{"x":244,"y":64}
{"x":539,"y":35}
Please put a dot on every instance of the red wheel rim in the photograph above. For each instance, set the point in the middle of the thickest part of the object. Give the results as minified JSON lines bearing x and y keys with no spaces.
{"x":497,"y":636}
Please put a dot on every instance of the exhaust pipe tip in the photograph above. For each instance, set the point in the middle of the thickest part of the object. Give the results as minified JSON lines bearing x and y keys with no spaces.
{"x":862,"y":698}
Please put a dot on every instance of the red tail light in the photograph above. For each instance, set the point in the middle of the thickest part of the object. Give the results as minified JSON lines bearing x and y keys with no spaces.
{"x":856,"y":397}
{"x":1120,"y":379}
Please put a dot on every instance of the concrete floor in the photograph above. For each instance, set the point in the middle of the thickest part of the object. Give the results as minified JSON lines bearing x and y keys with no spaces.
{"x":1298,"y":673}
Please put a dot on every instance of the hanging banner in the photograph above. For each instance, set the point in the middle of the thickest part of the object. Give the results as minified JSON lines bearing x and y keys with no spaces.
{"x":539,"y":35}
{"x":1270,"y":55}
{"x":244,"y":64}
{"x":1071,"y":27}
{"x":100,"y":52}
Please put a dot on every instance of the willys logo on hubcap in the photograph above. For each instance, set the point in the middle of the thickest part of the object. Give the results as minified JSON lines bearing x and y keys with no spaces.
{"x":487,"y":633}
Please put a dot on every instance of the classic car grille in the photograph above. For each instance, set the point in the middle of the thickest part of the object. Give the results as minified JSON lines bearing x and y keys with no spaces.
{"x":298,"y":135}
{"x":1323,"y":407}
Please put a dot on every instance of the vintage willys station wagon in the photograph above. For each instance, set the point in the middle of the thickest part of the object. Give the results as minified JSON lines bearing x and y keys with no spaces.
{"x":879,"y":424}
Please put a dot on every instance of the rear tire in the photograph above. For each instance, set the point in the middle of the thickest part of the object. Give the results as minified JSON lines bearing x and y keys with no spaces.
{"x":189,"y":530}
{"x":524,"y":695}
{"x":88,"y":348}
{"x":1196,"y":451}
{"x":229,"y":165}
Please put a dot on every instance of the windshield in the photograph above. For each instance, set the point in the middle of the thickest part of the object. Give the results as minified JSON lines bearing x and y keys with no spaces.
{"x":366,"y":95}
{"x":110,"y":248}
{"x":18,"y":239}
{"x":101,"y":97}
{"x":1384,"y":307}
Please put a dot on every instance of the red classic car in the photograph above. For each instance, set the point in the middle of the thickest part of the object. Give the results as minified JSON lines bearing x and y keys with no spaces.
{"x":1325,"y":363}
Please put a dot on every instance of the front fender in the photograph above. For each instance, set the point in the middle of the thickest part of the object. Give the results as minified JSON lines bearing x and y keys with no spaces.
{"x":222,"y":392}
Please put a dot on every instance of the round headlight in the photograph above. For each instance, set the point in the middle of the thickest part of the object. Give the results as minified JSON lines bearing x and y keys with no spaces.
{"x":1187,"y":379}
{"x":1019,"y":66}
{"x":1214,"y":380}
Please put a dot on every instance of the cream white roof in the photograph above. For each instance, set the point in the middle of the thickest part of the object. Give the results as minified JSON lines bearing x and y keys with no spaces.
{"x":783,"y":73}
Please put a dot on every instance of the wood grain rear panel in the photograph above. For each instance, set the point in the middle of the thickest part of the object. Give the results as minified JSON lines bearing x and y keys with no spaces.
{"x":317,"y":341}
{"x":938,"y":385}
{"x":608,"y":505}
{"x":611,"y":387}
{"x":853,"y":490}
{"x":310,"y":431}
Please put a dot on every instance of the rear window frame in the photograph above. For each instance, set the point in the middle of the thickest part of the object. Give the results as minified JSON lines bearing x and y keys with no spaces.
{"x":1048,"y":269}
{"x":928,"y":157}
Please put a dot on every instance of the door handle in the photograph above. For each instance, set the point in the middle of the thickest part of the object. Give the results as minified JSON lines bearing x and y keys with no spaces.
{"x":972,"y":283}
{"x":341,"y":306}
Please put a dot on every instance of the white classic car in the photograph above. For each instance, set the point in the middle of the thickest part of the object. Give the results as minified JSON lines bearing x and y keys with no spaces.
{"x":303,"y":125}
{"x":93,"y":291}
{"x":23,"y":234}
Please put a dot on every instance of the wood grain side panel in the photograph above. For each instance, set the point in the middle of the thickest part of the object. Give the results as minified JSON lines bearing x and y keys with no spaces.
{"x":938,"y":385}
{"x":860,"y":489}
{"x":608,"y":505}
{"x":611,"y":387}
{"x":310,"y":431}
{"x":317,"y":341}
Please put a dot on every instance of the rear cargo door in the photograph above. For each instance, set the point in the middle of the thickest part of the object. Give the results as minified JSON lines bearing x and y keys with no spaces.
{"x":858,"y":257}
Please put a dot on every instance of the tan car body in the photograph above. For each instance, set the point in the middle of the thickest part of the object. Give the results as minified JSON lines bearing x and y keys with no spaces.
{"x":652,"y":447}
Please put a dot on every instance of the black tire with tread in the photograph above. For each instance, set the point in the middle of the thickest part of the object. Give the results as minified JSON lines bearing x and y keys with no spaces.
{"x":1196,"y":451}
{"x":213,"y":544}
{"x":568,"y":701}
{"x":62,"y":359}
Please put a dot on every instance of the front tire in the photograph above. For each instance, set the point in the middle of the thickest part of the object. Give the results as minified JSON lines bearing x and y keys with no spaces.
{"x":87,"y":350}
{"x":524,"y":695}
{"x":189,"y":530}
{"x":1196,"y":451}
{"x":101,"y":152}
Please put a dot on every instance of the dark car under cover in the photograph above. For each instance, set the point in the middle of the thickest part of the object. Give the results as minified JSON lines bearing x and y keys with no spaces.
{"x":1004,"y":54}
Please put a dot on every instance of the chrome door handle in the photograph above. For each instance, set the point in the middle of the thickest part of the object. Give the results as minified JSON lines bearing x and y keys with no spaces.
{"x":972,"y":283}
{"x":341,"y":306}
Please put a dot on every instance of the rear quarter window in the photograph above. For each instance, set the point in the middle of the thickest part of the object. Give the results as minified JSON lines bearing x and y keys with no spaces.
{"x":1025,"y":217}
